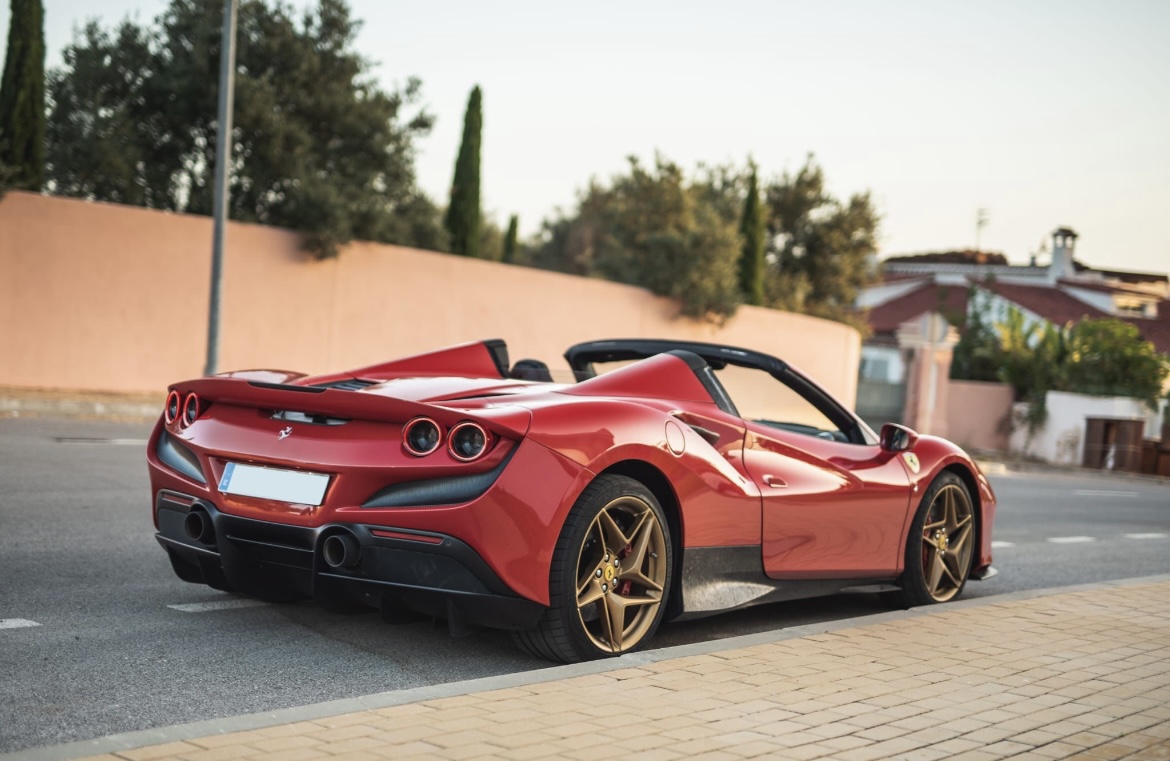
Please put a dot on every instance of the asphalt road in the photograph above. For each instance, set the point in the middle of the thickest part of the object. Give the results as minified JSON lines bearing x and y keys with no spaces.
{"x":90,"y":646}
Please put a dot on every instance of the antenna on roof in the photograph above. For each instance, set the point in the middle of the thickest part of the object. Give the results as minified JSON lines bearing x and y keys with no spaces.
{"x":981,"y":220}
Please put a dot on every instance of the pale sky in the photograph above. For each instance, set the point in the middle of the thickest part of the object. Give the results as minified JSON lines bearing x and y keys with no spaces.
{"x":1045,"y":113}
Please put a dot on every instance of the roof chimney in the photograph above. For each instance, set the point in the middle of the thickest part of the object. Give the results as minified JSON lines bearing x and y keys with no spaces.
{"x":1064,"y":242}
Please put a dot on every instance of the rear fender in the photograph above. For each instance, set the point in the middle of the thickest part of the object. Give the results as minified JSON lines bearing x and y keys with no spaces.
{"x":718,"y":504}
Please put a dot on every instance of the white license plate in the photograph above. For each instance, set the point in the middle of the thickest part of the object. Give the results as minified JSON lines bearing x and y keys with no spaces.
{"x":273,"y":483}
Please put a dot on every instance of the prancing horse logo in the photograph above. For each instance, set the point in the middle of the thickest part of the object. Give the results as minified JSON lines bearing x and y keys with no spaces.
{"x":284,"y":432}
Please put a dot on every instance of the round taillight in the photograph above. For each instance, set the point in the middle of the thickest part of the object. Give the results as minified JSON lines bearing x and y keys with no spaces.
{"x":467,"y":441}
{"x":171,"y":413}
{"x":421,"y":436}
{"x":190,"y":409}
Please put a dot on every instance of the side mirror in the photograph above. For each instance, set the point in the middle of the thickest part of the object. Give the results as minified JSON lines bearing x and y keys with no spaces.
{"x":897,"y":438}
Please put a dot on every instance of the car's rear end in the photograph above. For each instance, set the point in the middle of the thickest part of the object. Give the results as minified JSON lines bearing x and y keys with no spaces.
{"x":340,"y":492}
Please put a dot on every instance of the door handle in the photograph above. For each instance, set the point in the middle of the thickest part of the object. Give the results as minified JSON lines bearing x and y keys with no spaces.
{"x":775,"y":482}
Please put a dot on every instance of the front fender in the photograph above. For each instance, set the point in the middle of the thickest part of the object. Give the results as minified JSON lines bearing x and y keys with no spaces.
{"x":936,"y":455}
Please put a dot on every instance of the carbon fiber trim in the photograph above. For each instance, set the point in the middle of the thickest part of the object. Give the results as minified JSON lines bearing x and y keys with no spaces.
{"x":178,"y":458}
{"x":432,"y":492}
{"x":350,"y":384}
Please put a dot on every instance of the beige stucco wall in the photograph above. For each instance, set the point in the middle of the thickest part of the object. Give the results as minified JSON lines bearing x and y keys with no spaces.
{"x":978,"y":414}
{"x":114,"y":298}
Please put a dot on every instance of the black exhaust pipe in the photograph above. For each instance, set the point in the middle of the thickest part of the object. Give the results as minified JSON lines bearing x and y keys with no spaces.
{"x":197,"y":526}
{"x":340,"y":551}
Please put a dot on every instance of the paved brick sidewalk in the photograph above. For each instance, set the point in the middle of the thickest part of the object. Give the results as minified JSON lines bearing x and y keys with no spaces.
{"x":1081,"y":674}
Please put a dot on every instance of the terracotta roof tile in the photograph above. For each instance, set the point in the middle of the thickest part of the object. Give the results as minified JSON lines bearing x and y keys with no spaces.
{"x":1052,"y":304}
{"x":930,"y":297}
{"x":1103,"y":287}
{"x":1156,"y":330}
{"x":1132,"y":277}
{"x":1060,"y":308}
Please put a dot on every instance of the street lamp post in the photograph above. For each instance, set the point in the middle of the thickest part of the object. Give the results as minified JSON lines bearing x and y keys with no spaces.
{"x":223,"y":154}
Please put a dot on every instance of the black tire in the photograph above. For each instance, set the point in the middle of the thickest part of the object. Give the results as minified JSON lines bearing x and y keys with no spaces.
{"x":940,"y":546}
{"x":577,"y":627}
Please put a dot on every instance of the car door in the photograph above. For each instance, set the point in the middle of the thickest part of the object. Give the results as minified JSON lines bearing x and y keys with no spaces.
{"x":834,"y":505}
{"x":830,"y":509}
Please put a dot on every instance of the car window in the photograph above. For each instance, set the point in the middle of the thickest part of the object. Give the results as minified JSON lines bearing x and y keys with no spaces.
{"x":761,"y":398}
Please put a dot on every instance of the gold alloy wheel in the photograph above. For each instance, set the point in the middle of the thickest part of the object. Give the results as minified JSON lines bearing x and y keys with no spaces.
{"x":621,"y":572}
{"x":947,"y":542}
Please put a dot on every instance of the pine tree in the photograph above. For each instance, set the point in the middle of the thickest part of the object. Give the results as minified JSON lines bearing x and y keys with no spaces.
{"x":510,"y":240}
{"x":22,"y":96}
{"x":463,"y":213}
{"x":752,"y":227}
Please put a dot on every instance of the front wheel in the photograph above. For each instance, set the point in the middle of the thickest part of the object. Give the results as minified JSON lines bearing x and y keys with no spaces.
{"x":940,"y":544}
{"x":610,"y":575}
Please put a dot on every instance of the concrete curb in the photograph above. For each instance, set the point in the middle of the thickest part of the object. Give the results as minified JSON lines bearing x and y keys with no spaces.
{"x":179,"y":732}
{"x":994,"y":468}
{"x":15,"y":406}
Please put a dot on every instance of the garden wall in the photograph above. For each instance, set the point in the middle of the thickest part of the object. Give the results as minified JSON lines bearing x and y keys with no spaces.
{"x":979,"y":415}
{"x":115,"y":298}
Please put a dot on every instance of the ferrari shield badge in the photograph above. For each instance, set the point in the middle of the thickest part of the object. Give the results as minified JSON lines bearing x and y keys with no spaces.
{"x":912,"y":461}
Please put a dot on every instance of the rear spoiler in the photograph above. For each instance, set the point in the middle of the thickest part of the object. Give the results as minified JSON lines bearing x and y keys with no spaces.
{"x":351,"y":405}
{"x":478,"y":359}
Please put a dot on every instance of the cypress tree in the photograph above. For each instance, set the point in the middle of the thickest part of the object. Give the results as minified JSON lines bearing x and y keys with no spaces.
{"x":463,"y":213}
{"x":751,"y":231}
{"x":22,"y":96}
{"x":510,"y":240}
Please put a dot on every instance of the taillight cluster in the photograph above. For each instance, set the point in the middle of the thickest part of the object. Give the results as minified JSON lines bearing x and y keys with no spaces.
{"x":466,"y":441}
{"x":186,"y":410}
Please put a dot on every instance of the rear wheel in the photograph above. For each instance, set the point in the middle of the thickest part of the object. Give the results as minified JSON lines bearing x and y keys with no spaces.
{"x":940,"y":545}
{"x":610,"y":575}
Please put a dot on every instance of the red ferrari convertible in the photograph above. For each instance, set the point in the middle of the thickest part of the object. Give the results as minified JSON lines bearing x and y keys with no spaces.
{"x":669,"y":480}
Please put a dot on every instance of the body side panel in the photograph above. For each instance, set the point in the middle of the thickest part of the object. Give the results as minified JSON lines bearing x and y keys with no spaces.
{"x":719,"y":503}
{"x":831,"y":509}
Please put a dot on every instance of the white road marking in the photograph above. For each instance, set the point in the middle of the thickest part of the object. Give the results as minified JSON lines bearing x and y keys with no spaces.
{"x":1071,"y":539}
{"x":1096,"y":493}
{"x":1145,"y":536}
{"x":16,"y":623}
{"x":1002,"y":545}
{"x":207,"y":607}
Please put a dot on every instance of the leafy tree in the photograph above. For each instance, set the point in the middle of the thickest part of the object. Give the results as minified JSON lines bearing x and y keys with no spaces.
{"x":652,"y":228}
{"x":752,"y":229}
{"x":1101,"y":357}
{"x":100,"y":131}
{"x":319,"y":147}
{"x":22,"y":97}
{"x":1108,"y":357}
{"x":509,"y":254}
{"x":821,"y":248}
{"x":1033,"y":355}
{"x":655,"y":230}
{"x":1031,"y":362}
{"x":463,"y":213}
{"x":978,"y":355}
{"x":817,"y":250}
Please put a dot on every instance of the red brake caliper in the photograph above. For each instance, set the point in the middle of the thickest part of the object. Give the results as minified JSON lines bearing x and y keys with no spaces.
{"x":627,"y":585}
